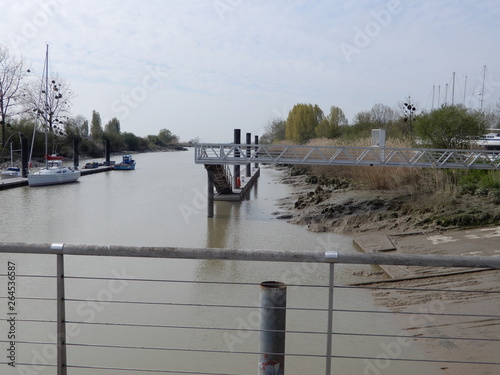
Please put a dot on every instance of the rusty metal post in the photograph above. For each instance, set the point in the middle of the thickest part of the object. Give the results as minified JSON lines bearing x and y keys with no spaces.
{"x":61,"y":312}
{"x":236,"y":170}
{"x":272,"y":328}
{"x":249,"y":153}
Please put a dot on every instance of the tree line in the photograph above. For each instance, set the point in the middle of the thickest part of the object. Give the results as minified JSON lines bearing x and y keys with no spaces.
{"x":29,"y":106}
{"x":449,"y":126}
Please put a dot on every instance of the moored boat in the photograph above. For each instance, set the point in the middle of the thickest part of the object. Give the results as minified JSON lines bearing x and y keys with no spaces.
{"x":53,"y":174}
{"x":11,"y":172}
{"x":127,"y":163}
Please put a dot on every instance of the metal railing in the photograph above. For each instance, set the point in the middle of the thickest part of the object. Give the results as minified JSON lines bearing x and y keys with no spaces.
{"x":228,"y":346}
{"x":223,"y":153}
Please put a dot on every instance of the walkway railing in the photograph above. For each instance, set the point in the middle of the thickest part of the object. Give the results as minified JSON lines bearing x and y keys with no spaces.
{"x":140,"y":334}
{"x":221,"y":153}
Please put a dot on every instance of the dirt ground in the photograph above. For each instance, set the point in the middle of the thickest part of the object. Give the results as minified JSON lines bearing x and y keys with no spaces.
{"x":460,"y":307}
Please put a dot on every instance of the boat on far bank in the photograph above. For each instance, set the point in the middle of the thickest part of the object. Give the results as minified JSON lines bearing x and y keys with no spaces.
{"x":127,"y":164}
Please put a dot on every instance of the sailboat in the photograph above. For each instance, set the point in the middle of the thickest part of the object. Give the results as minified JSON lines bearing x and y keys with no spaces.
{"x":54,"y":173}
{"x":12,"y":171}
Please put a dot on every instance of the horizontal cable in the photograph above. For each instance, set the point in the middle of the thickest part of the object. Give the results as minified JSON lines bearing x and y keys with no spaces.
{"x":188,"y":350}
{"x":281,"y":308}
{"x":286,"y":331}
{"x":149,"y":370}
{"x":188,"y":281}
{"x":33,"y":320}
{"x":32,"y":298}
{"x":420,"y":360}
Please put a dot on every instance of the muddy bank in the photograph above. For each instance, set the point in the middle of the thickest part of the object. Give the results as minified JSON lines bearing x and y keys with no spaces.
{"x":336,"y":205}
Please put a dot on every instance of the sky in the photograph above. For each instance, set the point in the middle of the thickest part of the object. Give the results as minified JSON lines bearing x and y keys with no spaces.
{"x":201,"y":68}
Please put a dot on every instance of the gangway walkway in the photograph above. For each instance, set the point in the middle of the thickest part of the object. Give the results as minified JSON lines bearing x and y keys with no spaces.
{"x":226,"y":153}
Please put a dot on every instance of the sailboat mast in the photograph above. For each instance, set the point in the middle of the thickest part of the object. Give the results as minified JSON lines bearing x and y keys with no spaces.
{"x":46,"y":111}
{"x":482,"y":90}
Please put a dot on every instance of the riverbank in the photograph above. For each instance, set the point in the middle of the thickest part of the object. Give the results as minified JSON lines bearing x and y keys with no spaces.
{"x":336,"y":205}
{"x":397,"y":222}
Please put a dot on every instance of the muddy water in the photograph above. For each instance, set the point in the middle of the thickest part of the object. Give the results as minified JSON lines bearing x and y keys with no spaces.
{"x":162,"y":203}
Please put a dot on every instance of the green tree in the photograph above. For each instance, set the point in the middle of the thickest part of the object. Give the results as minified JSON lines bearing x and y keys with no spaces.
{"x":451,"y":126}
{"x":96,"y":131}
{"x":167,"y":138}
{"x":274,"y":131}
{"x":302,"y":122}
{"x":329,"y":127}
{"x":113,"y":126}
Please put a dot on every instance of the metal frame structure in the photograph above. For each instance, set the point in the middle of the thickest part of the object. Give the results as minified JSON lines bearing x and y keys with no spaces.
{"x":239,"y":154}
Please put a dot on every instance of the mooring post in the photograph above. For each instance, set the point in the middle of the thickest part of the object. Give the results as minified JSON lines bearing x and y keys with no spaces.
{"x":236,"y":170}
{"x":272,"y":328}
{"x":210,"y":193}
{"x":249,"y":153}
{"x":256,"y":149}
{"x":76,"y":157}
{"x":61,"y":312}
{"x":24,"y":157}
{"x":107,"y":151}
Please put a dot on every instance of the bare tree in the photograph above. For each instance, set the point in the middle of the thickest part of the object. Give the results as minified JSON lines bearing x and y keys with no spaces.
{"x":12,"y":74}
{"x":54,"y":107}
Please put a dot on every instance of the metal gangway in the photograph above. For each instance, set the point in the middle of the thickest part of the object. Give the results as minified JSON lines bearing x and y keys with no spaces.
{"x":240,"y":154}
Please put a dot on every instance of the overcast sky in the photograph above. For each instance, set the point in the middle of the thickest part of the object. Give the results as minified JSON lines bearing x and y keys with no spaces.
{"x":201,"y":68}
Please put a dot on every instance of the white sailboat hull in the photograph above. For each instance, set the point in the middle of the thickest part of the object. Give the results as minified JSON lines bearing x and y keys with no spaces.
{"x":53,"y":176}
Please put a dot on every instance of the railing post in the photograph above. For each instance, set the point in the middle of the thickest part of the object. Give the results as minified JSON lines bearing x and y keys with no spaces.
{"x":272,"y":328}
{"x":330,"y":322}
{"x":61,"y":313}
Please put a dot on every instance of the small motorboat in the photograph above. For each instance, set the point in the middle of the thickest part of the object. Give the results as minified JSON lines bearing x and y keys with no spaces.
{"x":127,"y":164}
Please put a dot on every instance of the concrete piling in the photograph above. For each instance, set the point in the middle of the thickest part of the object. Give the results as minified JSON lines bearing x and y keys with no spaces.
{"x":272,"y":328}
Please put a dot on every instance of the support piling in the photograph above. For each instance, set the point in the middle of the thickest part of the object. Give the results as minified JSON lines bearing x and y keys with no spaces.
{"x":272,"y":328}
{"x":249,"y":153}
{"x":76,"y":156}
{"x":236,"y":169}
{"x":256,"y":142}
{"x":24,"y":157}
